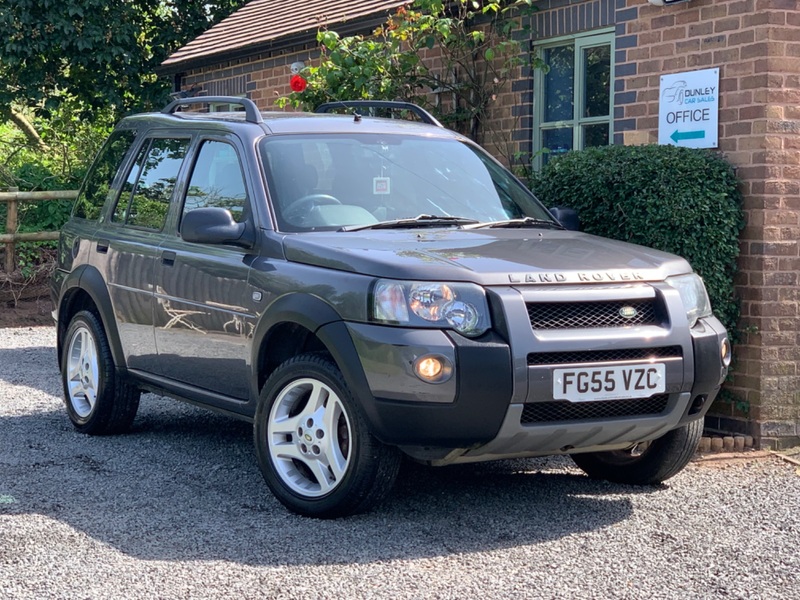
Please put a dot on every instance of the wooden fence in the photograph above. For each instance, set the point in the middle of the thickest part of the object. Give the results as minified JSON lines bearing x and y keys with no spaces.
{"x":11,"y":237}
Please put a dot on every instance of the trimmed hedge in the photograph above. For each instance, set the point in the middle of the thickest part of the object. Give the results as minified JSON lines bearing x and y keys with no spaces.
{"x":678,"y":200}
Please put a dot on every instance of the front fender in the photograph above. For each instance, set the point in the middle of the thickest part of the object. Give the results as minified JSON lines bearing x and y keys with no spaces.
{"x":305,"y":310}
{"x":322,"y":320}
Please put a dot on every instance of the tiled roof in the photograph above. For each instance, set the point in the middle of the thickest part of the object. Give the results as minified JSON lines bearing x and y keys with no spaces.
{"x":262,"y":23}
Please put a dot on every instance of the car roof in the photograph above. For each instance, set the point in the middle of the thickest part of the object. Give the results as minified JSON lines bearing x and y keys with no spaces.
{"x":275,"y":122}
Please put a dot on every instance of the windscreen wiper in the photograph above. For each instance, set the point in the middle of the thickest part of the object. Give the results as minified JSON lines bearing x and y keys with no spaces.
{"x":418,"y":221}
{"x":523,"y":222}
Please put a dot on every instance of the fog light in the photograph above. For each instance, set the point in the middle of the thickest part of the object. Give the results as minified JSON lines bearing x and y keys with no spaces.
{"x":697,"y":404}
{"x":433,"y":368}
{"x":725,"y":352}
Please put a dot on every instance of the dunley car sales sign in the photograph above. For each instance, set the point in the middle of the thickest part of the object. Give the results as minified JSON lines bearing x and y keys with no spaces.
{"x":688,"y":112}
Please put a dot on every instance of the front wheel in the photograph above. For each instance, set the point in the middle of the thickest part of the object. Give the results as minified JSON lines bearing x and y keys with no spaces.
{"x":660,"y":460}
{"x":313,"y":446}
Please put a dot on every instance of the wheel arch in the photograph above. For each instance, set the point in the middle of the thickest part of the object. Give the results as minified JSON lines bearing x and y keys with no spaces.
{"x":298,"y":323}
{"x":85,"y":289}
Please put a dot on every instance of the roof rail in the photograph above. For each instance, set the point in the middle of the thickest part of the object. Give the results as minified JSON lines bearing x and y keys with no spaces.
{"x":423,"y":114}
{"x":251,"y":112}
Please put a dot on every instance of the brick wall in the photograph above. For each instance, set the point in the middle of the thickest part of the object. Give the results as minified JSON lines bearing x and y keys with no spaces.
{"x":756,"y":45}
{"x":264,"y":78}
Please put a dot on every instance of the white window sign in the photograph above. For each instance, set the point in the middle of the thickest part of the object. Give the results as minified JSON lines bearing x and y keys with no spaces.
{"x":688,"y":112}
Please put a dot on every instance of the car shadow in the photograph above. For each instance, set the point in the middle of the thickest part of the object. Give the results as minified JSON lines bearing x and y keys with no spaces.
{"x":35,"y":367}
{"x":184,"y":485}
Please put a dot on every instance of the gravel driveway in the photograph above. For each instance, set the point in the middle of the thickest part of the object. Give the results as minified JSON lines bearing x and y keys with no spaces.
{"x":178,"y":509}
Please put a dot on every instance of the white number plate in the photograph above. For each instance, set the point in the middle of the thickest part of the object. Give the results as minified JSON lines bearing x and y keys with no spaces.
{"x":609,"y":383}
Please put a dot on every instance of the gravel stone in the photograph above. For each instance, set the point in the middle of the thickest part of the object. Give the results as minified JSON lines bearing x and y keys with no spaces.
{"x":178,"y":509}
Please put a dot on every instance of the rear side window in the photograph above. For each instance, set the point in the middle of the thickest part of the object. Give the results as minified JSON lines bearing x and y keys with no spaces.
{"x":97,"y":187}
{"x":217,"y":181}
{"x":144,"y":201}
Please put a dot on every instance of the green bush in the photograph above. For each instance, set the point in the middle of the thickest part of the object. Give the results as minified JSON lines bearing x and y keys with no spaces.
{"x":678,"y":200}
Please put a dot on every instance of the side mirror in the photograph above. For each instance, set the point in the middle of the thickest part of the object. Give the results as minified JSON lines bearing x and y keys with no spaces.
{"x":214,"y":226}
{"x":568,"y":217}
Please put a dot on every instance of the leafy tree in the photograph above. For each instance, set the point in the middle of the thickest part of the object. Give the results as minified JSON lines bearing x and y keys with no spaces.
{"x":69,"y":69}
{"x":474,"y":53}
{"x":66,"y":145}
{"x":97,"y":53}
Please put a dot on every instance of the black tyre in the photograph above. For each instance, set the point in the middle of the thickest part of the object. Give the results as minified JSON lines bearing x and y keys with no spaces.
{"x":313,"y":445}
{"x":98,"y":401}
{"x":657,"y":462}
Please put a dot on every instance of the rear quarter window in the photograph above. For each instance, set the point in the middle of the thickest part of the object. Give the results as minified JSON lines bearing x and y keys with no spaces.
{"x":97,"y":185}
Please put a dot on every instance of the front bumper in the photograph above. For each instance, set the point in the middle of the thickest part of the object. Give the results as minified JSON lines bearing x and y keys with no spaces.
{"x":479,"y":414}
{"x":519,"y":439}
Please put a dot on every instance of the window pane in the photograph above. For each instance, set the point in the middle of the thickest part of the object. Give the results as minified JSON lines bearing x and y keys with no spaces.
{"x":121,"y":210}
{"x":557,"y":141}
{"x":559,"y":83}
{"x":217,"y":181}
{"x":597,"y":81}
{"x":595,"y":135}
{"x":150,"y":200}
{"x":98,"y":183}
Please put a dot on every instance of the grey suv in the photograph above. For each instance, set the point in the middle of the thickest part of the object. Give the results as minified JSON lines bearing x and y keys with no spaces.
{"x":363,"y":288}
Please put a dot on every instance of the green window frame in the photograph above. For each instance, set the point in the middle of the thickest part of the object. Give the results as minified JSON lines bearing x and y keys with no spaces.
{"x":574,"y":98}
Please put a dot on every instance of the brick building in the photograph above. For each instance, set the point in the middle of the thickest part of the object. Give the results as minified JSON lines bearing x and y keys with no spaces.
{"x":610,"y":56}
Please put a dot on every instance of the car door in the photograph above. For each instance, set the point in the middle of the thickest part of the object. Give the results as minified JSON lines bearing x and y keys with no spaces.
{"x":205,"y":307}
{"x":126,"y":245}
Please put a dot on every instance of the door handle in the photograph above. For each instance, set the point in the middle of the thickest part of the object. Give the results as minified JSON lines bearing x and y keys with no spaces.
{"x":102,"y":246}
{"x":168,"y":258}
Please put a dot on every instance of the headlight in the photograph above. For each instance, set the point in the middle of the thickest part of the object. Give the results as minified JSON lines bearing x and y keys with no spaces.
{"x":459,"y":306}
{"x":694,"y":296}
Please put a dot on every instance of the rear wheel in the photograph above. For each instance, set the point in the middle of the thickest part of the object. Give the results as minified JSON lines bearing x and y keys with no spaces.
{"x":313,"y":445}
{"x":98,"y":401}
{"x":645,"y":465}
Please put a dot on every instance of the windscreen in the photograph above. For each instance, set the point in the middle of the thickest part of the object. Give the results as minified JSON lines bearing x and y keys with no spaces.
{"x":324,"y":182}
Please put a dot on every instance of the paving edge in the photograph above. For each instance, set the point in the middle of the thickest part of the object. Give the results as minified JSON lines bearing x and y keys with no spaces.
{"x":726,"y":443}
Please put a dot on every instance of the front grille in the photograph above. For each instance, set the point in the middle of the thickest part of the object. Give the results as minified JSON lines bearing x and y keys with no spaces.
{"x":587,"y":315}
{"x":562,"y":410}
{"x":591,"y":356}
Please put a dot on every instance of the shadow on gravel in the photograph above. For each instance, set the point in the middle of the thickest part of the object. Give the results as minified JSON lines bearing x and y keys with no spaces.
{"x":34,"y":367}
{"x":184,"y":485}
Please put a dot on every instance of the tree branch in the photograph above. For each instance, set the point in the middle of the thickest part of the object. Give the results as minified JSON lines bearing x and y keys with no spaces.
{"x":29,"y":130}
